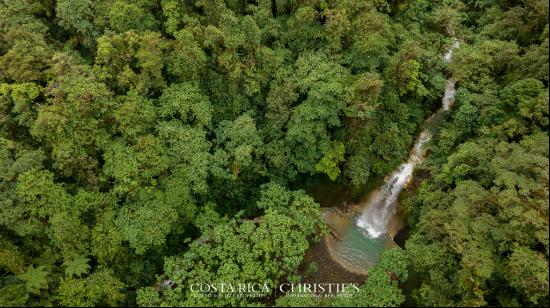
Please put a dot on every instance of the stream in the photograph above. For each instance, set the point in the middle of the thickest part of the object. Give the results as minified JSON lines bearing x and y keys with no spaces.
{"x":370,"y":228}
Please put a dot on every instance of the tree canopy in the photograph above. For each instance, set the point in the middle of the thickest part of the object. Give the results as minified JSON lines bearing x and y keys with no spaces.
{"x":173,"y":139}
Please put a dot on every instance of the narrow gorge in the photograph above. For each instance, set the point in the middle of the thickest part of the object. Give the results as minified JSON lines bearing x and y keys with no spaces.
{"x":367,"y":228}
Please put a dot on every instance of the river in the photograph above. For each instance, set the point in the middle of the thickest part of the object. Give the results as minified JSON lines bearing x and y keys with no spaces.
{"x":359,"y":235}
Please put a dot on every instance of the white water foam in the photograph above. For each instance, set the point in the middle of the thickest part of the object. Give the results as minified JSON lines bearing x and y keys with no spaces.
{"x":381,"y":206}
{"x":449,"y":96}
{"x":448,"y":56}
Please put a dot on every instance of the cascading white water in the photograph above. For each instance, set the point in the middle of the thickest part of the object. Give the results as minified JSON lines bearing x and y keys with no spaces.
{"x":448,"y":56}
{"x":449,"y":97}
{"x":381,"y":205}
{"x":359,"y":246}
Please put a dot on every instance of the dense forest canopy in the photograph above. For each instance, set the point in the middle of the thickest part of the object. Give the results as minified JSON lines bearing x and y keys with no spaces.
{"x":152,"y":139}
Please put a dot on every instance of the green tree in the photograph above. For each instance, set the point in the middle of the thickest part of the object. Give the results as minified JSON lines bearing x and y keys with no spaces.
{"x":35,"y":279}
{"x":99,"y":288}
{"x":381,"y":288}
{"x":263,"y":251}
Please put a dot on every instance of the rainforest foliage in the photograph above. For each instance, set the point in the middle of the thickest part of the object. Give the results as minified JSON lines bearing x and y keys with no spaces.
{"x":174,"y":139}
{"x":480,"y":220}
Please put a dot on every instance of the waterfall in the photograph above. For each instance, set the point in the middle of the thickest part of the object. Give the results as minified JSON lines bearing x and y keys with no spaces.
{"x":358,"y":246}
{"x":381,"y":205}
{"x":449,"y":97}
{"x":448,"y":56}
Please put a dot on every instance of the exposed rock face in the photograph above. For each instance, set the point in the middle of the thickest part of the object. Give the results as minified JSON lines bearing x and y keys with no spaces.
{"x":336,"y":221}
